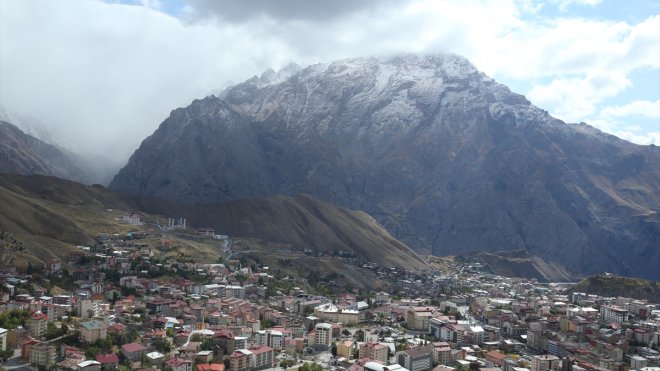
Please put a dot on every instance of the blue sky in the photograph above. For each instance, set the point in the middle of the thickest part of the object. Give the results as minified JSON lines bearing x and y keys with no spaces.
{"x":104,"y":74}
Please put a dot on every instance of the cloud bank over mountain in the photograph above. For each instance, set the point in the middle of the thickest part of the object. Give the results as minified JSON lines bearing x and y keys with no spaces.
{"x":106,"y":73}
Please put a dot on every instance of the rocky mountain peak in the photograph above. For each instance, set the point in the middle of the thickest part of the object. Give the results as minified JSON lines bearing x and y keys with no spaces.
{"x":443,"y":156}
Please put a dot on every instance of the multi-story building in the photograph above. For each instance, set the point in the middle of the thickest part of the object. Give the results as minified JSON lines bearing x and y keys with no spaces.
{"x":612,"y":313}
{"x":477,"y":335}
{"x":323,"y":336}
{"x":271,"y":338}
{"x":239,"y":360}
{"x":133,"y":351}
{"x":418,"y":318}
{"x":43,"y":355}
{"x":234,"y":292}
{"x":374,"y":351}
{"x":38,"y":324}
{"x":262,"y":357}
{"x":441,"y":352}
{"x":159,"y":307}
{"x":345,"y":349}
{"x":452,"y":333}
{"x":435,"y":324}
{"x":332,"y":313}
{"x":92,"y":331}
{"x":545,"y":363}
{"x":415,"y":359}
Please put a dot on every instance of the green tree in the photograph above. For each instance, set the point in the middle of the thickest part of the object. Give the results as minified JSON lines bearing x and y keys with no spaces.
{"x":162,"y":345}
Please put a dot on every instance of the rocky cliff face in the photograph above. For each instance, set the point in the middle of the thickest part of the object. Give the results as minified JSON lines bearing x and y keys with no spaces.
{"x":443,"y":156}
{"x":24,"y":154}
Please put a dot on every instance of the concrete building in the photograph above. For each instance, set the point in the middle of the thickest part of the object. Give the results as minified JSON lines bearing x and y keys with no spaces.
{"x":239,"y":360}
{"x":345,"y":349}
{"x":91,"y":331}
{"x":133,"y":351}
{"x":3,"y":339}
{"x":545,"y":363}
{"x":441,"y":352}
{"x":179,"y":364}
{"x":43,"y":355}
{"x":374,"y":351}
{"x":271,"y":338}
{"x":418,"y":318}
{"x":38,"y":324}
{"x":323,"y":336}
{"x":612,"y":313}
{"x":262,"y":357}
{"x":331,"y":313}
{"x":638,"y":362}
{"x":415,"y":359}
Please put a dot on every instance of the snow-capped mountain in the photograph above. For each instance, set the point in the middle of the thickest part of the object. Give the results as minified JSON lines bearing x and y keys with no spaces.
{"x":443,"y":156}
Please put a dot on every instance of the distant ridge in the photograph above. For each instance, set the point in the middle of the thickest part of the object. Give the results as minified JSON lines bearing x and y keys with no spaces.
{"x":23,"y":154}
{"x":611,"y":285}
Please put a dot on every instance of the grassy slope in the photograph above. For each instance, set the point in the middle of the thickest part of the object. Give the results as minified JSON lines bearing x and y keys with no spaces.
{"x":50,"y":216}
{"x":301,"y":222}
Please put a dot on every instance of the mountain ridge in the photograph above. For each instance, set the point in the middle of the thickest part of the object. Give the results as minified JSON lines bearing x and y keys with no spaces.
{"x":25,"y":154}
{"x":444,"y":157}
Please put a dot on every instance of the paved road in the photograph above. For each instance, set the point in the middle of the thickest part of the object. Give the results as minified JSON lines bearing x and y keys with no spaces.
{"x":16,"y":363}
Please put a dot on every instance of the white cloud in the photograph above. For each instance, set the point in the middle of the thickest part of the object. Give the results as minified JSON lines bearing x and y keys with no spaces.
{"x":108,"y":74}
{"x":628,"y":132}
{"x":565,"y":4}
{"x":642,"y":108}
{"x":574,"y":99}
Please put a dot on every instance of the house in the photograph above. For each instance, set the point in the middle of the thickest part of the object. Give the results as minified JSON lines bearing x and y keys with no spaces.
{"x":52,"y":266}
{"x":210,"y":367}
{"x":108,"y":361}
{"x":89,"y":365}
{"x":133,"y":351}
{"x":204,"y":356}
{"x":92,"y":331}
{"x":179,"y":364}
{"x":155,"y":358}
{"x":496,"y":357}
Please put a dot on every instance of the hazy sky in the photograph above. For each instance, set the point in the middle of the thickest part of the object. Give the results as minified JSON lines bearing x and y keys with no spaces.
{"x":104,"y":74}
